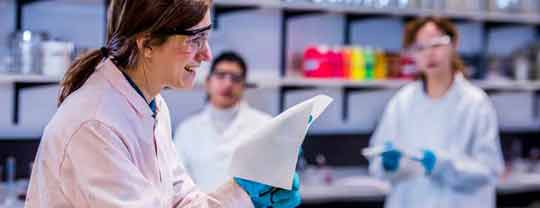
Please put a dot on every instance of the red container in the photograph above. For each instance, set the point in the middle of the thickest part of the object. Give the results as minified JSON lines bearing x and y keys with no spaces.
{"x":336,"y":62}
{"x":346,"y":58}
{"x":317,"y":62}
{"x":407,"y":67}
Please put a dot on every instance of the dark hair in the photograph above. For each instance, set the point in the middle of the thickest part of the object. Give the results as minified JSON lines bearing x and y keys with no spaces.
{"x":128,"y":19}
{"x":444,"y":25}
{"x":229,"y":56}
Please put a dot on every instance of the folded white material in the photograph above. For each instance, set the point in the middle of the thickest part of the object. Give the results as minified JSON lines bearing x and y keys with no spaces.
{"x":269,"y":154}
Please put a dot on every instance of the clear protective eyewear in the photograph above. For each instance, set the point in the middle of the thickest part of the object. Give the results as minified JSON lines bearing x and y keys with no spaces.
{"x":235,"y":78}
{"x":433,"y":43}
{"x":197,"y":38}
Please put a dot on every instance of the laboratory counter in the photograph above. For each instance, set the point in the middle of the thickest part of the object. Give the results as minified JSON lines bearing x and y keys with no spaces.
{"x":352,"y":187}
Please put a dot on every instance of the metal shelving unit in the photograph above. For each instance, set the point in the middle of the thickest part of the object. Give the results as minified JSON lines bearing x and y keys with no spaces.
{"x":6,"y":78}
{"x":294,"y":9}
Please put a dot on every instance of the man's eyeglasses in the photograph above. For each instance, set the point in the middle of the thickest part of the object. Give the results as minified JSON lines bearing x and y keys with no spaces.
{"x":236,"y":78}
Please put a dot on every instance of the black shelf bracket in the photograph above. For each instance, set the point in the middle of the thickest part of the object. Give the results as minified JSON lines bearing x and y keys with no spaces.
{"x":537,"y":32}
{"x":220,"y":10}
{"x":535,"y":103}
{"x":19,"y":4}
{"x":285,"y":89}
{"x":347,"y":91}
{"x":17,"y":88}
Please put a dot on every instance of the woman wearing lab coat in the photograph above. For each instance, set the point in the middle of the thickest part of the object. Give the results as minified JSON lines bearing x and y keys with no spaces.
{"x":109,"y":144}
{"x":440,"y":133}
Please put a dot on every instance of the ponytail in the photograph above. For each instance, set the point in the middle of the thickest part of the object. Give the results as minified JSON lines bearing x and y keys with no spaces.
{"x":77,"y":74}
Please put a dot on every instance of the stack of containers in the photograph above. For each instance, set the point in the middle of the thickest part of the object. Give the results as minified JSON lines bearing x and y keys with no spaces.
{"x":350,"y":63}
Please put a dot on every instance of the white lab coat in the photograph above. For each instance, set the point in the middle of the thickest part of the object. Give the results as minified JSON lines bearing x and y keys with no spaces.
{"x":206,"y":152}
{"x":461,"y":128}
{"x":104,"y":149}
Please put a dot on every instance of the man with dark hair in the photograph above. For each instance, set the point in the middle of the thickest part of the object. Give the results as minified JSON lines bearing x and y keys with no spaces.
{"x":217,"y":129}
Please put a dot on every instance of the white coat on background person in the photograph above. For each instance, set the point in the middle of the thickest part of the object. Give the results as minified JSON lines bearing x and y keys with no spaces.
{"x":208,"y":159}
{"x":457,"y":123}
{"x":205,"y":142}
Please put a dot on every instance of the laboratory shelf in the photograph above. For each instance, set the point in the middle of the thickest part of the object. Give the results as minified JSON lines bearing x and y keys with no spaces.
{"x":397,"y":83}
{"x":309,"y":82}
{"x":479,"y":15}
{"x":6,"y":78}
{"x":302,"y":82}
{"x":21,"y":82}
{"x":290,"y":84}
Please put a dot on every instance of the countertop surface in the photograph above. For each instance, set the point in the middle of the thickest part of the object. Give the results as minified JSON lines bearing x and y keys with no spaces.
{"x":353,"y":184}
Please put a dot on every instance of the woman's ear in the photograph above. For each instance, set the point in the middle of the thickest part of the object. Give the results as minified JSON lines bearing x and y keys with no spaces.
{"x":142,"y":44}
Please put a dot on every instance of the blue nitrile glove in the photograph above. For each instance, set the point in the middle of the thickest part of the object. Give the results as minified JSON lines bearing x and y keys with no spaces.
{"x":390,"y":158}
{"x":428,"y":161}
{"x":264,"y":196}
{"x":284,"y":198}
{"x":259,"y":193}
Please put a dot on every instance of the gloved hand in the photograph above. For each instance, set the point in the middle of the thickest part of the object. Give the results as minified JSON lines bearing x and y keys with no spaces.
{"x":264,"y":196}
{"x":284,"y":199}
{"x":428,"y":161}
{"x":390,"y":158}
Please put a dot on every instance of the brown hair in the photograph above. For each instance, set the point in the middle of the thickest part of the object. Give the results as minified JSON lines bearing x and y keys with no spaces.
{"x":126,"y":20}
{"x":444,"y":25}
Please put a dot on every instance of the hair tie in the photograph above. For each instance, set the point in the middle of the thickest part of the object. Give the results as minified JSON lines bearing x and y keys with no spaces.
{"x":104,"y":52}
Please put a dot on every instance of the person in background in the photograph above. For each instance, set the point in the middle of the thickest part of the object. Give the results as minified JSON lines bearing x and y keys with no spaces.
{"x":440,"y":133}
{"x":205,"y":141}
{"x":109,"y":144}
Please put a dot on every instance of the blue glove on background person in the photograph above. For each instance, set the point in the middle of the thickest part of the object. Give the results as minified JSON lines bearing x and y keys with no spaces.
{"x":428,"y":161}
{"x":390,"y":158}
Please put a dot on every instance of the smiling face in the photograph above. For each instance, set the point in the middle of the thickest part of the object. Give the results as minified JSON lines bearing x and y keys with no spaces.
{"x":174,"y":64}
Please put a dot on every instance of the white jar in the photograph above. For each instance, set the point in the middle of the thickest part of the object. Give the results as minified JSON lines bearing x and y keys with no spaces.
{"x":56,"y":57}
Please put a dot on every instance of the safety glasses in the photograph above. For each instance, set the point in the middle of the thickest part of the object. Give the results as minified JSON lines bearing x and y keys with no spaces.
{"x":236,"y":78}
{"x":418,"y":48}
{"x":196,"y":38}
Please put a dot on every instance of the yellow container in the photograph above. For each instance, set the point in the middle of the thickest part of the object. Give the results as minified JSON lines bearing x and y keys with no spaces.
{"x":380,"y":65}
{"x":358,"y":64}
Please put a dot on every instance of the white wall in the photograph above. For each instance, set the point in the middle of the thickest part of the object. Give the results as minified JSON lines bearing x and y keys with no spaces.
{"x":82,"y":23}
{"x":254,"y":35}
{"x":502,"y":41}
{"x":384,"y":33}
